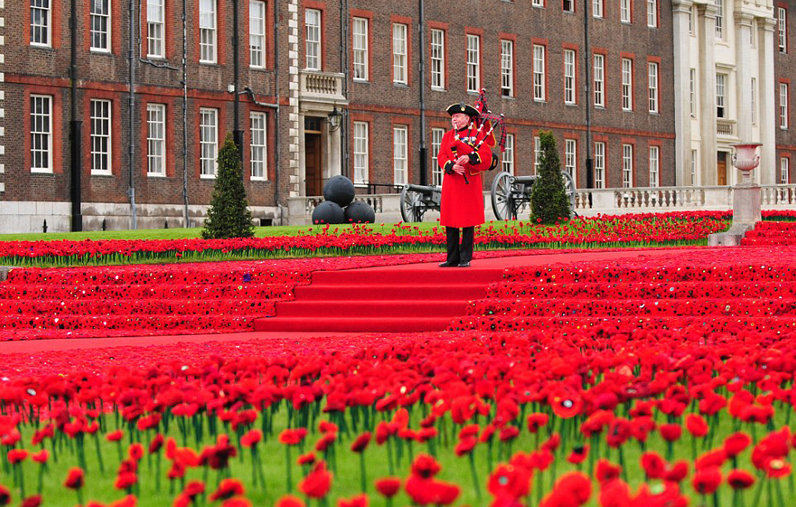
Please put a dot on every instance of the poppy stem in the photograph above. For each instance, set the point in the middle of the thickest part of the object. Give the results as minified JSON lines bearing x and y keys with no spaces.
{"x":288,"y":471}
{"x":780,"y":498}
{"x":475,"y":476}
{"x":362,"y":474}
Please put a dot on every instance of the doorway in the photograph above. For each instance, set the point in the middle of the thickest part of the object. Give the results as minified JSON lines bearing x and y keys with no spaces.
{"x":721,"y":168}
{"x":313,"y":163}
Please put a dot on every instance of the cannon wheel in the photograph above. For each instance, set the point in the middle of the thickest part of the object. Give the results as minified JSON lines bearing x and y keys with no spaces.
{"x":502,"y":200}
{"x":412,"y":207}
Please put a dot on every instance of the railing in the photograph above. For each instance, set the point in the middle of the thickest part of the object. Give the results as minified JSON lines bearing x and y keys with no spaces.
{"x":725,"y":128}
{"x":321,"y":86}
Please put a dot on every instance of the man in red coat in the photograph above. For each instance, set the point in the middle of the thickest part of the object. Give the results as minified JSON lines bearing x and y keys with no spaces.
{"x":463,"y":155}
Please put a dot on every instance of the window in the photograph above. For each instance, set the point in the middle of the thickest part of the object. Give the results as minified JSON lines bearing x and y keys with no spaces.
{"x":537,"y":154}
{"x":312,"y":24}
{"x":624,"y":11}
{"x":537,"y":3}
{"x":207,"y":31}
{"x":692,"y":92}
{"x":571,"y":158}
{"x":208,"y":142}
{"x":569,"y":76}
{"x":652,"y":13}
{"x":599,"y":80}
{"x":539,"y":64}
{"x":599,"y":165}
{"x":569,"y":5}
{"x":784,"y":176}
{"x":473,"y":63}
{"x":597,"y":8}
{"x":257,"y":34}
{"x":654,"y":166}
{"x":258,"y":158}
{"x":156,"y":139}
{"x":508,"y":155}
{"x":653,"y":86}
{"x":361,"y":152}
{"x":627,"y":84}
{"x":720,"y":93}
{"x":100,"y":137}
{"x":783,"y":106}
{"x":436,"y":144}
{"x":782,"y":25}
{"x":627,"y":165}
{"x":155,"y":19}
{"x":437,"y":59}
{"x":100,"y":25}
{"x":693,"y":167}
{"x":754,"y":101}
{"x":360,"y":42}
{"x":41,"y":139}
{"x":40,"y":22}
{"x":507,"y":67}
{"x":691,"y":13}
{"x":719,"y":19}
{"x":399,"y":163}
{"x":399,"y":53}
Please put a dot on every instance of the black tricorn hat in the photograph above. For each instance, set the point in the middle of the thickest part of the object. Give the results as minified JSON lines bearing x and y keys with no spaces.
{"x":461,"y":107}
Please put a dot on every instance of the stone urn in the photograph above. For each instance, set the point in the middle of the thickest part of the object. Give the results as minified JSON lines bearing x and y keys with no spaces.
{"x":746,"y":160}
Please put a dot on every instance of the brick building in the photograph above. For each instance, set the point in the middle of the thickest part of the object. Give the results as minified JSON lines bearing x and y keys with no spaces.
{"x":348,"y":87}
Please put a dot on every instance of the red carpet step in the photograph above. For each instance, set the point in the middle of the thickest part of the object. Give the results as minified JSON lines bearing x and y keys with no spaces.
{"x":390,"y":300}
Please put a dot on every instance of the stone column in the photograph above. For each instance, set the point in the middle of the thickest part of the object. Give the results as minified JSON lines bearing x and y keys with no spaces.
{"x":681,"y":12}
{"x":769,"y":115}
{"x":707,"y":93}
{"x":743,"y":80}
{"x":294,"y":126}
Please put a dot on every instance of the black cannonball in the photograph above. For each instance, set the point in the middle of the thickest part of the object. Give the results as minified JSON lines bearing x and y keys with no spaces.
{"x":339,"y":189}
{"x":328,"y":212}
{"x":359,"y":212}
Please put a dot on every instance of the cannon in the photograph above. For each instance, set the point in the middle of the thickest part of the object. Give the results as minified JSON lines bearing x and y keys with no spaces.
{"x":511,"y":194}
{"x":417,"y":199}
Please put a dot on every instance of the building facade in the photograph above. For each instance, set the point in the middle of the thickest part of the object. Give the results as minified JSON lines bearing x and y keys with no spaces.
{"x":360,"y":88}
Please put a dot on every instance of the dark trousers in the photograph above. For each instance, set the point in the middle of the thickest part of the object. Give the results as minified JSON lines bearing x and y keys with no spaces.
{"x":456,"y":253}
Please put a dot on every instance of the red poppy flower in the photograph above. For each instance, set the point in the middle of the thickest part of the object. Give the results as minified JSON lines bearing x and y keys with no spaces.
{"x":289,"y":501}
{"x":360,"y":500}
{"x":465,"y":446}
{"x":16,"y":456}
{"x":707,"y":480}
{"x":317,"y":483}
{"x":114,"y":436}
{"x":388,"y":486}
{"x":670,"y":432}
{"x":696,"y":425}
{"x":508,"y":481}
{"x":125,"y":480}
{"x":565,"y":402}
{"x":740,"y":479}
{"x":552,"y":443}
{"x":572,"y":489}
{"x":227,"y":489}
{"x":31,"y":501}
{"x":425,"y":466}
{"x":306,"y":459}
{"x":776,"y":467}
{"x":237,"y":502}
{"x":194,"y":488}
{"x":579,"y":454}
{"x":618,"y":432}
{"x":136,"y":451}
{"x":606,"y":471}
{"x":509,"y":433}
{"x":156,"y":444}
{"x":536,"y":421}
{"x":736,"y":443}
{"x":677,"y":472}
{"x":361,"y":442}
{"x":709,"y":459}
{"x":41,"y":456}
{"x":292,"y":436}
{"x":653,"y":464}
{"x":251,"y":438}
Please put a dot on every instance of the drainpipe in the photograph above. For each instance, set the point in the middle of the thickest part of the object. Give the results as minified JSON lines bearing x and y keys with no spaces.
{"x":185,"y":112}
{"x":277,"y":193}
{"x":587,"y":102}
{"x":345,"y":169}
{"x":75,"y":129}
{"x":422,"y":73}
{"x":131,"y":148}
{"x":237,"y":133}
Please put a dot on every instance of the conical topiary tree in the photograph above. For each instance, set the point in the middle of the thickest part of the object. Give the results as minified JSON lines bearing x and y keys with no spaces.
{"x":549,"y":202}
{"x":229,"y":215}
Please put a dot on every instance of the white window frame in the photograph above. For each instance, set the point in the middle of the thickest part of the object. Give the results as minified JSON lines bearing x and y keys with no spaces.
{"x":784,"y":170}
{"x":570,"y":85}
{"x":691,"y":20}
{"x":507,"y":67}
{"x":208,"y":31}
{"x":258,"y":146}
{"x":208,"y":142}
{"x":782,"y":29}
{"x":627,"y":165}
{"x":436,"y":144}
{"x":537,"y":3}
{"x":361,"y":153}
{"x":101,"y":136}
{"x":507,"y":162}
{"x":599,"y":164}
{"x":39,"y":31}
{"x":41,"y":134}
{"x":692,"y":92}
{"x":400,"y":67}
{"x":627,"y":84}
{"x":694,"y":162}
{"x":652,"y":13}
{"x":537,"y":154}
{"x":400,"y":163}
{"x":754,"y":100}
{"x":721,"y":95}
{"x":100,"y":25}
{"x":597,"y":9}
{"x":257,"y":33}
{"x":783,"y":106}
{"x":655,"y":166}
{"x":156,"y":140}
{"x":652,"y":76}
{"x":599,"y":79}
{"x":312,"y":39}
{"x":359,"y":42}
{"x":568,"y":6}
{"x":539,"y":73}
{"x":719,"y":19}
{"x":437,"y":59}
{"x":155,"y":28}
{"x":571,"y":158}
{"x":473,"y":63}
{"x":624,"y":11}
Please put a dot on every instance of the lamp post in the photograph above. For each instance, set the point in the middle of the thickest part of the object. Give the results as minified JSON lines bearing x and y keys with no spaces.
{"x":334,"y":119}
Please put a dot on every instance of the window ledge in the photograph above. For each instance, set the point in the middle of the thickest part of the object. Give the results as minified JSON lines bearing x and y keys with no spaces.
{"x":207,"y":177}
{"x":155,"y":175}
{"x":102,"y":174}
{"x":258,"y":178}
{"x":41,"y":171}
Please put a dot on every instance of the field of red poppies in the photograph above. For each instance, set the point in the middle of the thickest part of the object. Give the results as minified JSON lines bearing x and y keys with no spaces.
{"x":607,"y":383}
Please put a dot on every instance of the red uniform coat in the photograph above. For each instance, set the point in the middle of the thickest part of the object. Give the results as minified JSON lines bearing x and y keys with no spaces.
{"x":462,"y":201}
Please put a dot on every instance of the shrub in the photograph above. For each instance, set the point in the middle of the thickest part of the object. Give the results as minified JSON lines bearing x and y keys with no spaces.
{"x":229,"y":215}
{"x":549,"y":200}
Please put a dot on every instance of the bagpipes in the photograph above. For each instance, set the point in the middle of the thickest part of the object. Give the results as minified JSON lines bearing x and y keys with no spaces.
{"x":484,"y":125}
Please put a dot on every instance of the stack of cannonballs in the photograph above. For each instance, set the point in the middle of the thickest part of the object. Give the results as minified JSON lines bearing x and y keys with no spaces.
{"x":338,"y":208}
